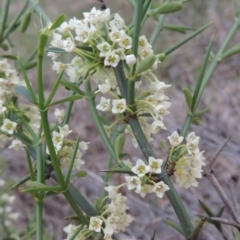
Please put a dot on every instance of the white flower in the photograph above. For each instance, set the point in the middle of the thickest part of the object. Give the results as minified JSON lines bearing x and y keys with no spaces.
{"x":175,"y":139}
{"x":58,"y":67}
{"x":57,"y":140}
{"x":157,"y":125}
{"x":142,"y":42}
{"x":64,"y":130}
{"x":133,"y":182}
{"x":84,"y":33}
{"x":16,"y":144}
{"x":112,"y":191}
{"x":118,"y":106}
{"x":160,"y":188}
{"x":68,"y":45}
{"x":131,"y":60}
{"x":104,"y":48}
{"x":116,"y":36}
{"x":59,"y":114}
{"x":104,"y":88}
{"x":146,"y":188}
{"x":117,"y":23}
{"x":104,"y":105}
{"x":92,"y":16}
{"x":95,"y":224}
{"x":125,"y":42}
{"x":104,"y":15}
{"x":141,"y":168}
{"x":8,"y":126}
{"x":191,"y":137}
{"x":155,"y":164}
{"x":120,"y":53}
{"x":111,"y":59}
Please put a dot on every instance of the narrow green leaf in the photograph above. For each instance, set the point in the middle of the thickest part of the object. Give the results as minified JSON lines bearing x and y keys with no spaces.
{"x":220,"y":212}
{"x":22,"y":91}
{"x":74,"y":235}
{"x":9,"y":56}
{"x":34,"y":186}
{"x":15,"y":22}
{"x":25,"y":21}
{"x":81,"y":201}
{"x":197,"y":93}
{"x":54,"y":89}
{"x":177,"y":28}
{"x":168,"y":8}
{"x":188,"y":97}
{"x":3,"y":17}
{"x":174,"y":225}
{"x":236,"y":9}
{"x":119,"y":170}
{"x":71,"y":86}
{"x":67,"y":99}
{"x":206,"y":209}
{"x":232,"y":51}
{"x":55,"y":50}
{"x":80,"y":174}
{"x":201,"y":112}
{"x":20,"y":182}
{"x":28,"y":84}
{"x":58,"y":22}
{"x":30,"y":64}
{"x":185,"y":40}
{"x":197,"y":229}
{"x":39,"y":11}
{"x":119,"y":144}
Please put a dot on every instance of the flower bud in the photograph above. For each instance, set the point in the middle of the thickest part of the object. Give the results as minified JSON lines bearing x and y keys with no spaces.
{"x":146,"y":64}
{"x":130,"y":59}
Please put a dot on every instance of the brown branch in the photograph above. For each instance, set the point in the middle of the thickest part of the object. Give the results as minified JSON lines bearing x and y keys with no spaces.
{"x":225,"y":221}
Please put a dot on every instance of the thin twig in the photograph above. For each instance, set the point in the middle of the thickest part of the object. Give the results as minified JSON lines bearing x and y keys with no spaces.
{"x":225,"y":221}
{"x":222,"y":195}
{"x":234,"y":197}
{"x":214,"y":158}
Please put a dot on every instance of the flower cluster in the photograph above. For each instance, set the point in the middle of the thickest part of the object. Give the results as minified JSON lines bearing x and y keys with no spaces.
{"x":189,"y":166}
{"x":114,"y":218}
{"x":65,"y":148}
{"x":142,"y":183}
{"x":100,"y":41}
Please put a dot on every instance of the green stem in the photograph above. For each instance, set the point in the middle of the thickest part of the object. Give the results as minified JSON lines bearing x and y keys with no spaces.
{"x":217,"y":59}
{"x":172,"y":194}
{"x":39,"y":220}
{"x":157,"y":29}
{"x":4,"y":15}
{"x":136,"y":28}
{"x":97,"y":120}
{"x":48,"y":138}
{"x":68,"y":110}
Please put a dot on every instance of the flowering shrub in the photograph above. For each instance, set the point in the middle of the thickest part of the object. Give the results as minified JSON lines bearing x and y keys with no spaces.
{"x":119,"y":63}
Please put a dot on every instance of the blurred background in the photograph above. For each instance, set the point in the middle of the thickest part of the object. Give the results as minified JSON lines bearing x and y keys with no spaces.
{"x":180,"y":69}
